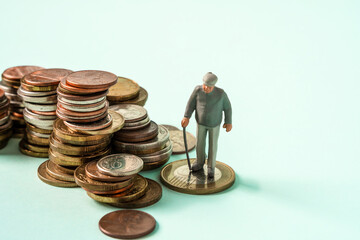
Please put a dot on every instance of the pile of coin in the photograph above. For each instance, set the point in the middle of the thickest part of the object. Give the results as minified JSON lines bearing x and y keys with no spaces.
{"x":114,"y":179}
{"x":127,"y":91}
{"x":38,"y":92}
{"x":10,"y":84}
{"x":5,"y":120}
{"x":142,"y":137}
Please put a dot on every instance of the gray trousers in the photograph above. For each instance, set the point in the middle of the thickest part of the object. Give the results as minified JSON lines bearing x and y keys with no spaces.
{"x":201,"y":144}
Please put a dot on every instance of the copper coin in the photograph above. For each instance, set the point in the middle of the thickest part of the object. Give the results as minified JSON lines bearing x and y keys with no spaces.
{"x":60,"y":92}
{"x":140,"y":135}
{"x":56,"y":172}
{"x":153,"y":194}
{"x":33,"y":148}
{"x":67,"y":112}
{"x":127,"y":224}
{"x":91,"y":79}
{"x":79,"y":91}
{"x":19,"y":71}
{"x":33,"y":88}
{"x":46,"y":77}
{"x":131,"y":112}
{"x":2,"y":93}
{"x":97,"y":125}
{"x":36,"y":129}
{"x":118,"y":192}
{"x":81,"y":119}
{"x":92,"y":172}
{"x":53,"y":113}
{"x":153,"y":165}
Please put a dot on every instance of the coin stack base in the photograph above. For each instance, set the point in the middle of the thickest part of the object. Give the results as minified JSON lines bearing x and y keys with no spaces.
{"x":55,"y":175}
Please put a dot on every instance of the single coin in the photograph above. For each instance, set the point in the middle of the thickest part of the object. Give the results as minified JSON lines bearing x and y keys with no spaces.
{"x":177,"y":139}
{"x":81,"y":102}
{"x":152,"y":195}
{"x":138,"y":100}
{"x":97,"y":125}
{"x":40,"y":107}
{"x":124,"y":89}
{"x":92,"y":172}
{"x":42,"y":100}
{"x":69,"y":113}
{"x":38,"y":130}
{"x":120,"y":165}
{"x":138,"y":124}
{"x":91,"y":79}
{"x":22,"y":91}
{"x":46,"y":178}
{"x":53,"y":113}
{"x":127,"y":224}
{"x":176,"y":176}
{"x":19,"y":71}
{"x":83,"y":181}
{"x":34,"y":148}
{"x":82,"y":107}
{"x":78,"y":119}
{"x":33,"y":88}
{"x":147,"y":147}
{"x":71,"y":97}
{"x":158,"y":156}
{"x":46,"y":77}
{"x":135,"y":192}
{"x":116,"y":125}
{"x":30,"y":153}
{"x":56,"y":172}
{"x":131,"y":112}
{"x":11,"y":83}
{"x":170,"y":127}
{"x":79,"y":91}
{"x":140,"y":135}
{"x":74,"y":161}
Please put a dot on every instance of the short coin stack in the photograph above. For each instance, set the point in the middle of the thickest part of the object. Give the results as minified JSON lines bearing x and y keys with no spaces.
{"x":38,"y":92}
{"x":114,"y":179}
{"x":142,"y":137}
{"x":5,"y":120}
{"x":127,"y":91}
{"x":10,"y":84}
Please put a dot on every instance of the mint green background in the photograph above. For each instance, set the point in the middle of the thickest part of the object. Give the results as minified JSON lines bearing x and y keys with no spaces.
{"x":290,"y":69}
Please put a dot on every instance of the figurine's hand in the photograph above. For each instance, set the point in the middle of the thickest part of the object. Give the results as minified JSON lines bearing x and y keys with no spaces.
{"x":228,"y":127}
{"x":185,"y":122}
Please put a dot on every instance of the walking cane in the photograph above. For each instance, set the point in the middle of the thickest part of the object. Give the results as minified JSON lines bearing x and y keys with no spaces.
{"x":186,"y":148}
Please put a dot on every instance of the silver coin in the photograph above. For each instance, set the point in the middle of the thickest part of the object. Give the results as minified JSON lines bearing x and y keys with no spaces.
{"x":84,"y":108}
{"x":22,"y":92}
{"x":158,"y":156}
{"x":40,"y":107}
{"x":68,"y":101}
{"x":6,"y":88}
{"x":146,"y":147}
{"x":39,"y":116}
{"x":44,"y":100}
{"x":4,"y":120}
{"x":170,"y":127}
{"x":13,"y":97}
{"x":131,"y":112}
{"x":17,"y":104}
{"x":96,"y":125}
{"x":177,"y":139}
{"x":43,"y":124}
{"x":41,"y":135}
{"x":145,"y":121}
{"x":120,"y":165}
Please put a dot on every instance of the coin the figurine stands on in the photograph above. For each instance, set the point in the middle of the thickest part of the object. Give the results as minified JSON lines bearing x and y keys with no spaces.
{"x":209,"y":103}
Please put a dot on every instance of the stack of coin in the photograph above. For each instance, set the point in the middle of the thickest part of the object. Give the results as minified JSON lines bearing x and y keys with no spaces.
{"x":114,"y":179}
{"x":127,"y":91}
{"x":10,"y":83}
{"x":142,"y":137}
{"x":38,"y":92}
{"x":82,"y":100}
{"x":5,"y":120}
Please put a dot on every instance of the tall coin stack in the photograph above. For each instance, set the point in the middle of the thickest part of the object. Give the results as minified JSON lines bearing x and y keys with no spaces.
{"x":38,"y":92}
{"x":10,"y":84}
{"x":127,"y":91}
{"x":114,"y":179}
{"x":142,"y":137}
{"x":5,"y":120}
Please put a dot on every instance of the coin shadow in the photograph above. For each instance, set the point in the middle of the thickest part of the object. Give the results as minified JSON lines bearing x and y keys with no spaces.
{"x":11,"y":148}
{"x":247,"y":183}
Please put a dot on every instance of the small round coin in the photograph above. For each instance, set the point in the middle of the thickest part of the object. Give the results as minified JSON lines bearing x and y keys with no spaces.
{"x":131,"y":112}
{"x":177,"y":139}
{"x":138,"y":100}
{"x":140,"y":135}
{"x":91,"y":79}
{"x":176,"y":176}
{"x":97,"y":125}
{"x":127,"y":224}
{"x":120,"y":165}
{"x":92,"y":172}
{"x":46,"y":77}
{"x":46,"y":178}
{"x":19,"y":71}
{"x":124,"y":89}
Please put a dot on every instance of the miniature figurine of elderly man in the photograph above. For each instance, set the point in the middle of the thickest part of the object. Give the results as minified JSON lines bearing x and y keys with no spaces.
{"x":209,"y":103}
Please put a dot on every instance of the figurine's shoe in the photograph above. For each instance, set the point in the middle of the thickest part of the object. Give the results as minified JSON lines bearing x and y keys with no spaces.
{"x":211,"y":172}
{"x":196,"y":167}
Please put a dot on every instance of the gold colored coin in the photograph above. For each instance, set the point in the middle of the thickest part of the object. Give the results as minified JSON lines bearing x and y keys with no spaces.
{"x":46,"y":178}
{"x":33,"y":88}
{"x":37,"y":140}
{"x":73,"y":161}
{"x":138,"y":100}
{"x":34,"y":148}
{"x":123,"y":90}
{"x":56,"y":172}
{"x":135,"y":192}
{"x":38,"y":130}
{"x":30,"y":153}
{"x":85,"y":182}
{"x":176,"y":176}
{"x":66,"y":135}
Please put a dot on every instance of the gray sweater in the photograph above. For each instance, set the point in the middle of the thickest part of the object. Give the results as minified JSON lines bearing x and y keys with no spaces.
{"x":209,"y":106}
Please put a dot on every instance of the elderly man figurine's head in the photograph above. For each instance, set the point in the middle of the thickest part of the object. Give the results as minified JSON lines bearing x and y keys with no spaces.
{"x":209,"y":81}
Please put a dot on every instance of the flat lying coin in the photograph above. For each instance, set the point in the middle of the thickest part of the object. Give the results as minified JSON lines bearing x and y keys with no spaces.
{"x":57,"y":173}
{"x":91,"y":79}
{"x":152,"y":195}
{"x":131,"y":112}
{"x":124,"y":89}
{"x":92,"y":172}
{"x":97,"y":125}
{"x":46,"y":77}
{"x":19,"y":71}
{"x":139,"y":135}
{"x":127,"y":224}
{"x":40,"y":107}
{"x":46,"y":178}
{"x":34,"y":148}
{"x":138,"y":100}
{"x":120,"y":165}
{"x":177,"y":139}
{"x":79,"y":91}
{"x":176,"y":176}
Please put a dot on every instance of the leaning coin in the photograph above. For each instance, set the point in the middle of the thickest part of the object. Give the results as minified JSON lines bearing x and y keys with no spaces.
{"x":46,"y":77}
{"x":124,"y":89}
{"x":152,"y":195}
{"x":131,"y":112}
{"x":138,"y":100}
{"x":170,"y":127}
{"x":177,"y":139}
{"x":19,"y":71}
{"x":46,"y":178}
{"x":120,"y":165}
{"x":92,"y":172}
{"x":127,"y":224}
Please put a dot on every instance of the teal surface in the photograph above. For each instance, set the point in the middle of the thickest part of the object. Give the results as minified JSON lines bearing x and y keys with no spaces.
{"x":290,"y":69}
